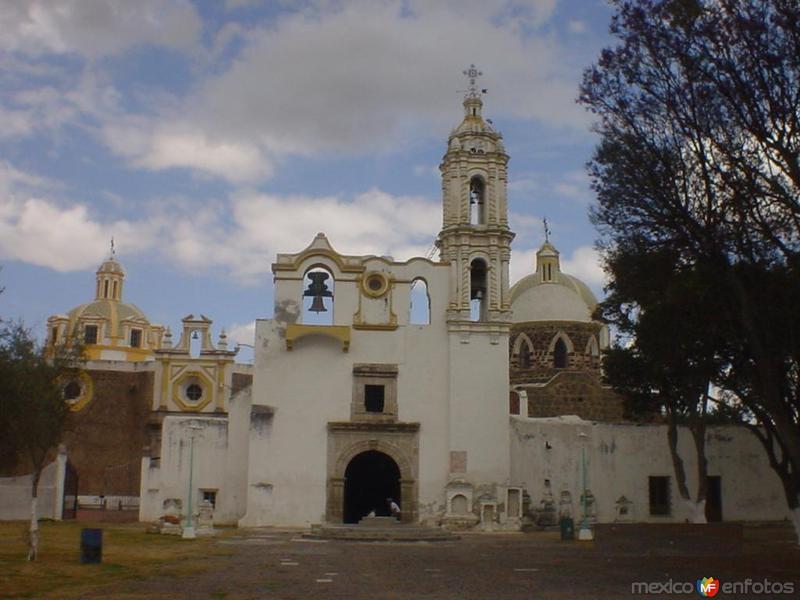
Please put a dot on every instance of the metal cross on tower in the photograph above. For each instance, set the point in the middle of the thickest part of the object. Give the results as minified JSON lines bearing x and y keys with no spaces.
{"x":472,"y":74}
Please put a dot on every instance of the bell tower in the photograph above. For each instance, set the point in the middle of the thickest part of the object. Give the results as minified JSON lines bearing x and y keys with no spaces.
{"x":476,"y":242}
{"x":475,"y":238}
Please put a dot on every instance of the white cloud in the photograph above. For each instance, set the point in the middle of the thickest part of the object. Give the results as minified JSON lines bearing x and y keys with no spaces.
{"x":427,"y":171}
{"x":577,"y":26}
{"x":263,"y":225}
{"x":523,"y":184}
{"x":241,"y":334}
{"x":300,"y":85}
{"x":585,"y":265}
{"x":240,"y":235}
{"x":575,"y":186}
{"x":523,"y":262}
{"x":305,"y":86}
{"x":308,"y":85}
{"x":235,"y":4}
{"x":62,"y":236}
{"x":95,"y":27}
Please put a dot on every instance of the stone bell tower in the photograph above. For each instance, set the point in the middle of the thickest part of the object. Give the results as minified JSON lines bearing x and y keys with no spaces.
{"x":475,"y":240}
{"x":475,"y":237}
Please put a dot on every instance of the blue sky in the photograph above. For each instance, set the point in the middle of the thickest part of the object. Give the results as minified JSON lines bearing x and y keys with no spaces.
{"x":207,"y":136}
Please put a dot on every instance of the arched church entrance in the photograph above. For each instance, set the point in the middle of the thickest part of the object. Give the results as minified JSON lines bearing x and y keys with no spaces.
{"x":370,"y":478}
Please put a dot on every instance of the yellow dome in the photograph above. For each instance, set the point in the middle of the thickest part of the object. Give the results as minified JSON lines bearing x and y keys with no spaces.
{"x":111,"y":266}
{"x":105,"y":308}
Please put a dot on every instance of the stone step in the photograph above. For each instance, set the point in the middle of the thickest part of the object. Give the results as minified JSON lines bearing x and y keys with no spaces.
{"x":397,"y":532}
{"x":378,"y":522}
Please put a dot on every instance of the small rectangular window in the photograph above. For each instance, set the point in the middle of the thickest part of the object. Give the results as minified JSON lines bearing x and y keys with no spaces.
{"x":90,"y":334}
{"x":210,"y":496}
{"x":659,"y":496}
{"x":136,"y":338}
{"x":374,"y":398}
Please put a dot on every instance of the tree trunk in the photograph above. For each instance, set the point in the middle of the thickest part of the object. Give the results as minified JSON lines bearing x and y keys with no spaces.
{"x":677,"y":461}
{"x":795,"y":513}
{"x":783,"y":467}
{"x":697,"y":426}
{"x":697,"y":510}
{"x":33,"y":538}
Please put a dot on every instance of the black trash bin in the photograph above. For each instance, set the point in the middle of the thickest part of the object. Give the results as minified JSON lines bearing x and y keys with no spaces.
{"x":91,"y":546}
{"x":567,"y":527}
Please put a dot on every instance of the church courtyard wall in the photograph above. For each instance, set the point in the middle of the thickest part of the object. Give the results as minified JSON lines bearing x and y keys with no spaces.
{"x":546,"y":454}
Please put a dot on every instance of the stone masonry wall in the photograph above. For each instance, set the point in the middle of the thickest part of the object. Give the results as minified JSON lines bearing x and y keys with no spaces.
{"x":574,"y":390}
{"x":105,"y":439}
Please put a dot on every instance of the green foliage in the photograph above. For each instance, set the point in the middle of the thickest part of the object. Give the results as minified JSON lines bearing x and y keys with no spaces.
{"x":697,"y":176}
{"x":32,"y":407}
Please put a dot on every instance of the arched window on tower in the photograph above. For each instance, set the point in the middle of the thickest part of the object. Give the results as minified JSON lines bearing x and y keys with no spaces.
{"x":420,"y":309}
{"x":477,"y":201}
{"x":560,"y":354}
{"x":317,"y":297}
{"x":477,"y":286}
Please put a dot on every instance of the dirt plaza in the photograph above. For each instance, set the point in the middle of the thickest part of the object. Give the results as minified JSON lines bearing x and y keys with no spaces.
{"x":267,"y":563}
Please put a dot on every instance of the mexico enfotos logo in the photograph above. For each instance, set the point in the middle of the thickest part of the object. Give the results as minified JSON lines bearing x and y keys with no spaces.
{"x":709,"y":587}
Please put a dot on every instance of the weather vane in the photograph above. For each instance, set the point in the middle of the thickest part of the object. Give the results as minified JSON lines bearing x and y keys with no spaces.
{"x":472,"y":74}
{"x":546,"y":230}
{"x":113,"y":250}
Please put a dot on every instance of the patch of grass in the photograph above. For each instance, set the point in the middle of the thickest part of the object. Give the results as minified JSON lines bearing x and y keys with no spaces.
{"x":128,"y":552}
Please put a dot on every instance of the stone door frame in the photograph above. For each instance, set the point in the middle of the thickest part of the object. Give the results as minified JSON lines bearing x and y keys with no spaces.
{"x":399,"y":441}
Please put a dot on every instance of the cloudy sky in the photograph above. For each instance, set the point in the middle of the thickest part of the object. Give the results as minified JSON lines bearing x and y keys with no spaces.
{"x":207,"y":136}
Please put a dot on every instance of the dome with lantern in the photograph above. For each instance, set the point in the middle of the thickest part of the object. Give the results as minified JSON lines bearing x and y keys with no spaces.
{"x":109,"y":328}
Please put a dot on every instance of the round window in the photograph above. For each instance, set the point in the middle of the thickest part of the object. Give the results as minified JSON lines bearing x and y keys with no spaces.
{"x":194,"y":392}
{"x":72,"y":391}
{"x":375,"y":284}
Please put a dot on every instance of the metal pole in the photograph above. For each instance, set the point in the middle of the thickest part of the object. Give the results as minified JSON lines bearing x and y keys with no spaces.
{"x":188,"y":531}
{"x":585,"y":532}
{"x":585,"y":524}
{"x":191,"y":474}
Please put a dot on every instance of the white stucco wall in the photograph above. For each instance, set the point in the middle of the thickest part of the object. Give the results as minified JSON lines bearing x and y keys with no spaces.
{"x":221,"y":448}
{"x":478,"y":406}
{"x":15,"y":493}
{"x":312,"y":385}
{"x":620,"y":458}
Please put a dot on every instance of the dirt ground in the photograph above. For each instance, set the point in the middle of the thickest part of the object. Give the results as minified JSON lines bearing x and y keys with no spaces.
{"x":266,"y":563}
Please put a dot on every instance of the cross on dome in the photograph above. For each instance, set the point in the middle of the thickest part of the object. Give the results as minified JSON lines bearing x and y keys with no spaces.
{"x":472,"y":75}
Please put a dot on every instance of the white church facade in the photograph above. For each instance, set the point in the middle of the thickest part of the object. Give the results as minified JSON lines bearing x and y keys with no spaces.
{"x":463,"y":419}
{"x":488,"y":411}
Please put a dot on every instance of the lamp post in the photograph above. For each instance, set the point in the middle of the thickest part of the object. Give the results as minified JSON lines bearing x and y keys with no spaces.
{"x":585,"y":533}
{"x":188,"y":531}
